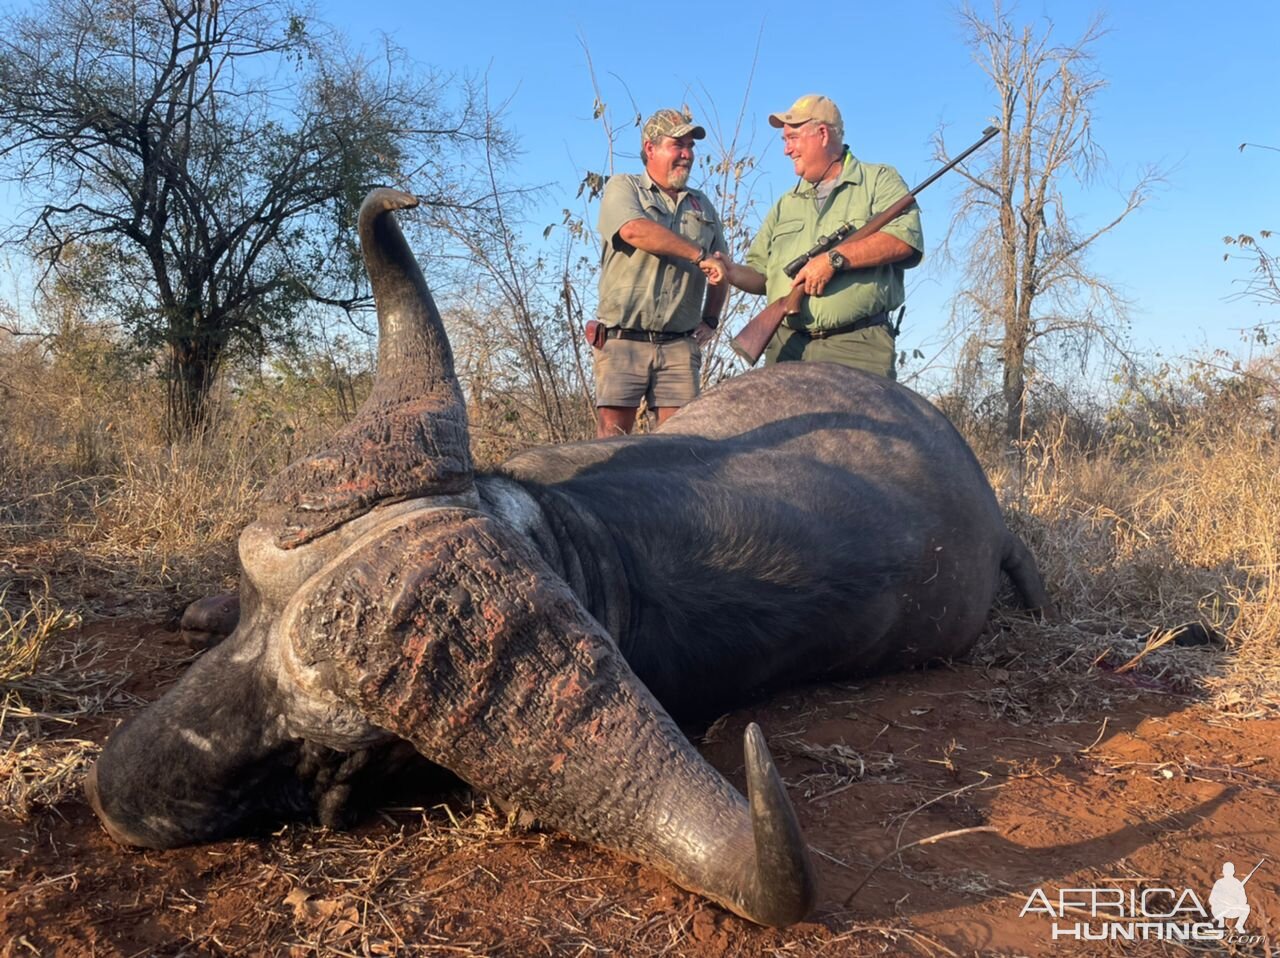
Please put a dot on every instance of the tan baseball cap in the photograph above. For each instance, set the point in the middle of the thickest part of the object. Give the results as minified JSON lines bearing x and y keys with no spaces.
{"x":671,"y":123}
{"x":811,"y":106}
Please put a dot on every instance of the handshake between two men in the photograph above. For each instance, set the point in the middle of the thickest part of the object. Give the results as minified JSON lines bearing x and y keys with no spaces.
{"x":666,"y":268}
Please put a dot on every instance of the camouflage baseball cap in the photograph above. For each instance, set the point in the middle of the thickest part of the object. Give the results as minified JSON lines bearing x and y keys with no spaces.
{"x":811,"y":106}
{"x":671,"y":123}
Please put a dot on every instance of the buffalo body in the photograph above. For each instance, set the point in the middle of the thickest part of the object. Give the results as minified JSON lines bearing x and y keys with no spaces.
{"x":535,"y":630}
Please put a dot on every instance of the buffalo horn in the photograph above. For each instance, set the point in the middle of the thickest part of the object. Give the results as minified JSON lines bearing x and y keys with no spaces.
{"x":409,"y":438}
{"x":485,"y":660}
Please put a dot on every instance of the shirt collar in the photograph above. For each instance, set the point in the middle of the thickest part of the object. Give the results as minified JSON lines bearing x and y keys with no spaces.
{"x":687,"y":193}
{"x":647,"y":182}
{"x":850,"y":172}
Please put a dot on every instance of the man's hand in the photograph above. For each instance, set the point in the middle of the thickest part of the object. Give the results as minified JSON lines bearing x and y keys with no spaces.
{"x":714,"y":268}
{"x":814,"y":276}
{"x":741,"y":276}
{"x":702,"y":335}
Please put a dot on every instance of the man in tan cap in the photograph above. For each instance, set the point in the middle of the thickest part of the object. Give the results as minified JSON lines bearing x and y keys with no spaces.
{"x":660,"y":243}
{"x":853,"y":288}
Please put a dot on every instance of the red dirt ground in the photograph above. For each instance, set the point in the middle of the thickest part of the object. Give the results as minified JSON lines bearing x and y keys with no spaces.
{"x":1160,"y":796}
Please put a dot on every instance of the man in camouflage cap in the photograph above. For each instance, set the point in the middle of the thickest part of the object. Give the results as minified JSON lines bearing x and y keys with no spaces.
{"x":659,"y":243}
{"x":853,"y":288}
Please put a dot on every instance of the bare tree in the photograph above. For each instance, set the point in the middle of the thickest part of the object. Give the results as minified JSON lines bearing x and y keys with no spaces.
{"x":1025,"y":257}
{"x":525,"y":336}
{"x":1263,"y":283}
{"x":210,"y":155}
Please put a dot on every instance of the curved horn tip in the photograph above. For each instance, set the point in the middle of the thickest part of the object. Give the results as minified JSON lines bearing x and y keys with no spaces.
{"x":383,"y":199}
{"x":785,"y":884}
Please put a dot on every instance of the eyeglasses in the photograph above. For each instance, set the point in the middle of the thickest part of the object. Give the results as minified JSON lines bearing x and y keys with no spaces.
{"x":791,"y":136}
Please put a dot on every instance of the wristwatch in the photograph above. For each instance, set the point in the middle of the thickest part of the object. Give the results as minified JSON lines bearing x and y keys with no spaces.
{"x":837,"y":260}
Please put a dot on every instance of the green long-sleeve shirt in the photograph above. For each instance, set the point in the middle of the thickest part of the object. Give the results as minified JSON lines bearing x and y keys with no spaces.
{"x":799,"y":218}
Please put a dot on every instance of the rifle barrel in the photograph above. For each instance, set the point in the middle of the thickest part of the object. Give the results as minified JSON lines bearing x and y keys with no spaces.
{"x":987,"y":134}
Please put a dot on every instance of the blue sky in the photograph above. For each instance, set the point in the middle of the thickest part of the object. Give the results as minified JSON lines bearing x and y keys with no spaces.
{"x":1187,"y":84}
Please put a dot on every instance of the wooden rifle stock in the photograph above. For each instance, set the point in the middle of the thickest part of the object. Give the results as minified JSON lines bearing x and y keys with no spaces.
{"x":751,"y":341}
{"x":754,"y":337}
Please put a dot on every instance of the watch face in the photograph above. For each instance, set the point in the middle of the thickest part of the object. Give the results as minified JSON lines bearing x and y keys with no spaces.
{"x":837,"y":260}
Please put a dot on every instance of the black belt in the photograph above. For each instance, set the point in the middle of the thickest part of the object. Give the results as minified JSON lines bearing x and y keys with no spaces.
{"x":644,"y":335}
{"x":879,"y":319}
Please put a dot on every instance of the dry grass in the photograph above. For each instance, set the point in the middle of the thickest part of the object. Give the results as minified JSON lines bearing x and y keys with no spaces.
{"x":95,"y":496}
{"x":24,"y":632}
{"x":1190,"y":532}
{"x":49,"y":681}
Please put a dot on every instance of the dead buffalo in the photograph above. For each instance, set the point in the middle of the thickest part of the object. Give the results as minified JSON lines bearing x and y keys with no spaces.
{"x":537,"y":629}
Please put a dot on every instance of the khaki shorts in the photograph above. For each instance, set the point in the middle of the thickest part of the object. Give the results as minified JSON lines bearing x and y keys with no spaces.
{"x":872,"y":349}
{"x":665,"y":374}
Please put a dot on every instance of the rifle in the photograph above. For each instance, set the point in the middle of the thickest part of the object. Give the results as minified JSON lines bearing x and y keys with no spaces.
{"x":754,"y":337}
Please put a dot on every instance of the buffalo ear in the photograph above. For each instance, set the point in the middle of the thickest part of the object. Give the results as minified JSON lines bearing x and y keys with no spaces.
{"x":409,"y":438}
{"x":449,"y":631}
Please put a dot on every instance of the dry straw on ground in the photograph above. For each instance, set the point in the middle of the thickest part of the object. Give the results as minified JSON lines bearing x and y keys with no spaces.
{"x":45,"y":689}
{"x":1189,"y":533}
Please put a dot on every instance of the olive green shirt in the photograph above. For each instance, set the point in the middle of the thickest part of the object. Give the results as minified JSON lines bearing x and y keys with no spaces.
{"x":637,"y":289}
{"x":798,"y":219}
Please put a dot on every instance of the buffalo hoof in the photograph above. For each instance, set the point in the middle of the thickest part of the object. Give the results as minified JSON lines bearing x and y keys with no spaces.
{"x":208,"y":621}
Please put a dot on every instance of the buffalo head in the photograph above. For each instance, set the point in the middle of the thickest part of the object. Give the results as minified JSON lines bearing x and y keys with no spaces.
{"x":381,"y":605}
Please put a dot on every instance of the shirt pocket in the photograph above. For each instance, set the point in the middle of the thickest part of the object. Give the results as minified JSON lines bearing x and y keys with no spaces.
{"x":656,"y":210}
{"x":786,"y":229}
{"x":698,"y":227}
{"x":787,"y":241}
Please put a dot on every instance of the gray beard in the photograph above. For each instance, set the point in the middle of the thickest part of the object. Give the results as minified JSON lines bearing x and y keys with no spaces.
{"x":679,"y":178}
